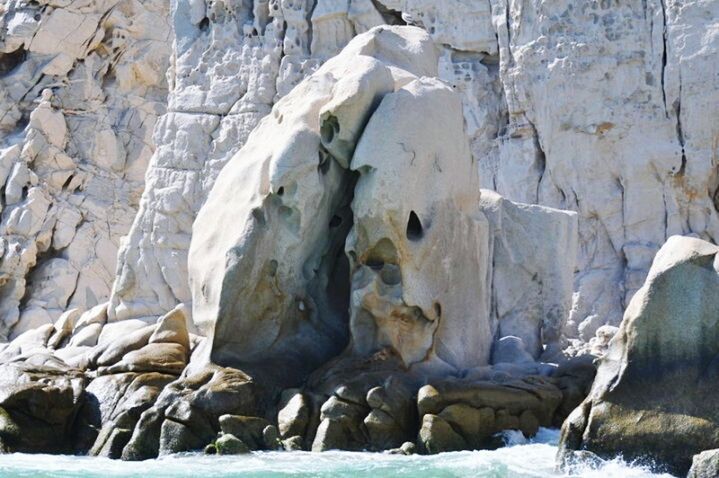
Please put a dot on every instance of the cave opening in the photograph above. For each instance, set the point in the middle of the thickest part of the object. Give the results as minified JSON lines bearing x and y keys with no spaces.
{"x":332,"y":287}
{"x":9,"y":61}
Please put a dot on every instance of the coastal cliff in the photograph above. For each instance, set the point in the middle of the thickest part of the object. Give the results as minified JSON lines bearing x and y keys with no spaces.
{"x":354,"y":224}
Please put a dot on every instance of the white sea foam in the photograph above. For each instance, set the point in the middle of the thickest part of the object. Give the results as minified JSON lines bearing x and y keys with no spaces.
{"x":521,"y":459}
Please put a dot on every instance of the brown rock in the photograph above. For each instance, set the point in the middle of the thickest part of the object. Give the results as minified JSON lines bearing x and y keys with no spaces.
{"x":437,"y":436}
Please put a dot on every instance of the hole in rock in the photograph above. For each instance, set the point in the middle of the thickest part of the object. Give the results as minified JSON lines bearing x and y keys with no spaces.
{"x":414,"y":227}
{"x":438,"y":309}
{"x":204,"y":24}
{"x":382,"y":253}
{"x":281,"y":191}
{"x":259,"y":216}
{"x":330,"y":127}
{"x":375,"y":264}
{"x":391,"y":274}
{"x":336,"y":221}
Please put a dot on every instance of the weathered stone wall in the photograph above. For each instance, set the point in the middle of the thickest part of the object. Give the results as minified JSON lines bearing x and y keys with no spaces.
{"x":608,"y":110}
{"x":82,"y":84}
{"x":603,"y":108}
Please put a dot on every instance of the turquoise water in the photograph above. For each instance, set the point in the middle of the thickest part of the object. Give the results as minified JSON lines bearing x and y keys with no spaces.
{"x":521,"y":459}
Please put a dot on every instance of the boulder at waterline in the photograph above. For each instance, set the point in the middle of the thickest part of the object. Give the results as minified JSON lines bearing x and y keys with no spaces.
{"x":654,"y":396}
{"x":705,"y":465}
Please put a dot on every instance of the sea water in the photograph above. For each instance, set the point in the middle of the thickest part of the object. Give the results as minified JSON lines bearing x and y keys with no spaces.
{"x":521,"y":458}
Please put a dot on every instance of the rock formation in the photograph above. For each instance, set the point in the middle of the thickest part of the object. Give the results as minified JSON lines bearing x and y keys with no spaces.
{"x":82,"y":85}
{"x":319,"y":178}
{"x":705,"y":465}
{"x":218,"y":216}
{"x":231,"y":61}
{"x":653,"y":397}
{"x":274,"y":285}
{"x":322,"y":277}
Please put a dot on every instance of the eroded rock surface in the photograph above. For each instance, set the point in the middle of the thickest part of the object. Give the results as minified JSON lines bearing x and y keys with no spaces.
{"x":272,"y":286}
{"x":607,"y":110}
{"x":705,"y":465}
{"x":38,"y":406}
{"x":81,"y":87}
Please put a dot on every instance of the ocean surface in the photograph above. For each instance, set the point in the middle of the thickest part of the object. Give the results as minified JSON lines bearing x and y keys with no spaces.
{"x":521,"y":458}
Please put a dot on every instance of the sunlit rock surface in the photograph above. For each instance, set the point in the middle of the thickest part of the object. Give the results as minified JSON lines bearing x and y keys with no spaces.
{"x":117,"y":116}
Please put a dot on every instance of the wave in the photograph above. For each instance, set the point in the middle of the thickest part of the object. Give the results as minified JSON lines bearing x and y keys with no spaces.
{"x":521,"y":458}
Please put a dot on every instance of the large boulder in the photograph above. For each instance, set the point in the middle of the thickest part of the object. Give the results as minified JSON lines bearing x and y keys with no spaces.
{"x":38,"y":408}
{"x":317,"y":220}
{"x":533,"y":250}
{"x":475,"y":410}
{"x":705,"y":465}
{"x":186,"y":414}
{"x":114,"y":404}
{"x":654,"y":396}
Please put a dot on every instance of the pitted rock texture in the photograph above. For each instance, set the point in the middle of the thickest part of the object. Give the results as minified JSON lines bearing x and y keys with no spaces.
{"x":274,"y":285}
{"x":602,"y":109}
{"x":607,"y":110}
{"x":321,"y":269}
{"x":324,"y":245}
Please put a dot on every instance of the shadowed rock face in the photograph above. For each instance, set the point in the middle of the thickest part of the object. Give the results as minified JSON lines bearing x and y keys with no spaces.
{"x":655,"y":392}
{"x":271,"y":282}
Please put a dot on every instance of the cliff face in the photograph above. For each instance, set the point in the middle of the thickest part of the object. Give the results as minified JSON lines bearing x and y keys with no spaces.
{"x":609,"y":110}
{"x":303,"y":194}
{"x":82,"y":85}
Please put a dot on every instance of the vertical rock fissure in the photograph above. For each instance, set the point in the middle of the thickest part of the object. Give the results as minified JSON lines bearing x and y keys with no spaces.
{"x":664,"y":56}
{"x":680,"y":131}
{"x":338,"y":286}
{"x":540,"y":157}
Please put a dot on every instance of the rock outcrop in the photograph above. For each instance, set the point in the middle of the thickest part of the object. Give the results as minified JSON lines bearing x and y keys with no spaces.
{"x":654,"y":394}
{"x":705,"y":465}
{"x":320,"y":250}
{"x":322,"y":277}
{"x":459,"y":415}
{"x":82,"y":85}
{"x":495,"y":55}
{"x":38,"y":407}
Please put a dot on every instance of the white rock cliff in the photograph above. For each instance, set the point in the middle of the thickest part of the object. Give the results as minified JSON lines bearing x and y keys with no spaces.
{"x":354,"y":197}
{"x":606,"y":110}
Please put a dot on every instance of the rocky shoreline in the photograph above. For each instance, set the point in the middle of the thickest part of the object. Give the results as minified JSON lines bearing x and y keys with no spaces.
{"x":345,"y":241}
